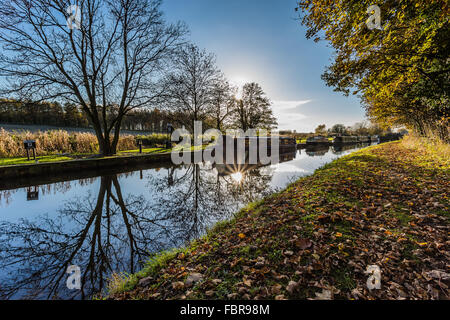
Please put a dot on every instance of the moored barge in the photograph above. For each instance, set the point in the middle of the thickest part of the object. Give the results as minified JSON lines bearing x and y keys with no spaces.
{"x":318,"y":140}
{"x":345,"y":139}
{"x":285,"y":144}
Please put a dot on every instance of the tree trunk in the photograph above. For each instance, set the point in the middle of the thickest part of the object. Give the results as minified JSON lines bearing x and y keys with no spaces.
{"x":115,"y":142}
{"x":105,"y":145}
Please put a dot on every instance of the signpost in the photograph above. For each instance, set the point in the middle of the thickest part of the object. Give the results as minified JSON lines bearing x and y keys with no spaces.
{"x":140,"y":145}
{"x":170,"y":130}
{"x":30,"y":145}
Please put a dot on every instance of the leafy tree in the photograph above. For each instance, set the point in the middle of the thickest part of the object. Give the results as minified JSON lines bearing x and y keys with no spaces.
{"x":401,"y":72}
{"x":339,"y":129}
{"x":73,"y":117}
{"x":321,"y":130}
{"x":253,"y":110}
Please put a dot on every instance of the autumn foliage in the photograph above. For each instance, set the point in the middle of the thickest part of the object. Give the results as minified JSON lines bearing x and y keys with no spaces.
{"x":401,"y":72}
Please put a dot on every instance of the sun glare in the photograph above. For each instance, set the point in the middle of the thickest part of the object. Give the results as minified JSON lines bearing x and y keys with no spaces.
{"x":239,"y":82}
{"x":237,"y":177}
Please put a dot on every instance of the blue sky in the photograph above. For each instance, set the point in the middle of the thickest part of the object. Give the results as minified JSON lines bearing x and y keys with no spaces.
{"x":260,"y":40}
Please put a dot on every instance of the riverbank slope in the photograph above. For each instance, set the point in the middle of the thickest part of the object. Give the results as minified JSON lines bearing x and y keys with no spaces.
{"x":385,"y":205}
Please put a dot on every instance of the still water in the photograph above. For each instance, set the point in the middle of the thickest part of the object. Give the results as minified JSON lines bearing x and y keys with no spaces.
{"x":114,"y":223}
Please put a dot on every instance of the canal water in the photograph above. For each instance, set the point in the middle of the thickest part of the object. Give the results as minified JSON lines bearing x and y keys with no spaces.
{"x":113,"y":224}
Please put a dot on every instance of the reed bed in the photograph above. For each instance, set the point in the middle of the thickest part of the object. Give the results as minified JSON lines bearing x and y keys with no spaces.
{"x":56,"y":142}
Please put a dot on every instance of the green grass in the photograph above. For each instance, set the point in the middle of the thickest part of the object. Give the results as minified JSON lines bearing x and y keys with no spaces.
{"x":145,"y":151}
{"x":44,"y":159}
{"x":344,"y":279}
{"x":57,"y":158}
{"x":123,"y":282}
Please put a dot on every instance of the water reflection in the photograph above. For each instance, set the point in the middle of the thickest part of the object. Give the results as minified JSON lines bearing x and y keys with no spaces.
{"x":99,"y":233}
{"x":116,"y":222}
{"x":338,"y":149}
{"x":33,"y":193}
{"x":108,"y":231}
{"x":317,"y":151}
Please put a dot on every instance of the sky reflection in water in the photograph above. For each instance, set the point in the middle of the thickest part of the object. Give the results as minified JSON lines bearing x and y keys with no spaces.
{"x":114,"y":223}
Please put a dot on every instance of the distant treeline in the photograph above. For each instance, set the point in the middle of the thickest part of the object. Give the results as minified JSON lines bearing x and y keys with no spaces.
{"x":364,"y":128}
{"x":70,"y":115}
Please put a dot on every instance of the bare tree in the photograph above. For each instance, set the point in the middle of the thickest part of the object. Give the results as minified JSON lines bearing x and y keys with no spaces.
{"x":253,"y":110}
{"x":108,"y":62}
{"x":223,"y":102}
{"x":189,"y":87}
{"x":361,"y":128}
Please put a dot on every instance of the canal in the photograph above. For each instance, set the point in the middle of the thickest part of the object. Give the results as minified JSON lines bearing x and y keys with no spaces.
{"x":114,"y":223}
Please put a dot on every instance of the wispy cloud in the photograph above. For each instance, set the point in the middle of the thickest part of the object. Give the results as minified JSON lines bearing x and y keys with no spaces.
{"x":288,"y":114}
{"x":287,"y":106}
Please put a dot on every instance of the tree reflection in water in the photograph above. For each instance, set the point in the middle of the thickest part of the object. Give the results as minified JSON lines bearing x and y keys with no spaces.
{"x":114,"y":232}
{"x":197,"y":196}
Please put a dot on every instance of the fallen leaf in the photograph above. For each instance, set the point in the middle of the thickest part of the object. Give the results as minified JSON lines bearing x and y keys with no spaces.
{"x":291,"y":287}
{"x":178,"y":285}
{"x":324,"y":295}
{"x":276,"y":289}
{"x":304,"y":244}
{"x":194,"y":278}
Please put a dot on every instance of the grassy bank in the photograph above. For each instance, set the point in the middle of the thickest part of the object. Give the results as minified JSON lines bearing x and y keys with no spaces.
{"x":22,"y":160}
{"x":78,"y":156}
{"x":385,"y":205}
{"x":68,"y":157}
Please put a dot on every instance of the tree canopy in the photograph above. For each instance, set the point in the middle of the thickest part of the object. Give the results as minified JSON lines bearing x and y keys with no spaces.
{"x":253,"y":110}
{"x":401,"y":72}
